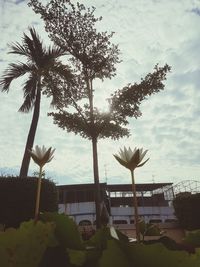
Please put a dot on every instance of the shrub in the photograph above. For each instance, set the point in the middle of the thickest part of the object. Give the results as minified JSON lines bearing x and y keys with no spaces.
{"x":17,"y":199}
{"x":55,"y":242}
{"x":26,"y":245}
{"x":187,"y":210}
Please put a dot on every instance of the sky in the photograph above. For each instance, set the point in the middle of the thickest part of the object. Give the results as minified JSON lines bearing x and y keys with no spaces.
{"x":148,"y":32}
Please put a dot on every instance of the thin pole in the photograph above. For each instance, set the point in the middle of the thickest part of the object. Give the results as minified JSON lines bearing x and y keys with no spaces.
{"x":135,"y":207}
{"x":37,"y":205}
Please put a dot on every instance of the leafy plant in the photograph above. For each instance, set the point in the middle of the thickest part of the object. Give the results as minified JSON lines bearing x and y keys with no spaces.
{"x":113,"y":255}
{"x":149,"y":229}
{"x":156,"y":255}
{"x":26,"y":245}
{"x":56,"y":242}
{"x":193,"y":238}
{"x":66,"y":230}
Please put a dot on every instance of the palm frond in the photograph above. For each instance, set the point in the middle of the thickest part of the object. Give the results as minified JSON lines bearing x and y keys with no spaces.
{"x":28,"y":43}
{"x":30,"y":88}
{"x":27,"y":104}
{"x":41,"y":61}
{"x":55,"y":52}
{"x":63,"y":70}
{"x":52,"y":90}
{"x":36,"y":41}
{"x":34,"y":46}
{"x":14,"y":71}
{"x":17,"y":48}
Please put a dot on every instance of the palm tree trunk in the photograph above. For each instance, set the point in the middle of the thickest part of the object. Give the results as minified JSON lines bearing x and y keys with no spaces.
{"x":31,"y":135}
{"x":96,"y":182}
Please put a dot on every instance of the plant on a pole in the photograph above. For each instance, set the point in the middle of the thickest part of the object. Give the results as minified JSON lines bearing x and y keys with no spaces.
{"x":41,"y":156}
{"x":132,"y":159}
{"x":92,"y":56}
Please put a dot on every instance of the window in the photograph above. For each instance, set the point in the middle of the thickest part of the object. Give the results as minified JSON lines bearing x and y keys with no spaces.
{"x":85,"y":223}
{"x":119,"y":222}
{"x":155,"y":221}
{"x":171,"y":221}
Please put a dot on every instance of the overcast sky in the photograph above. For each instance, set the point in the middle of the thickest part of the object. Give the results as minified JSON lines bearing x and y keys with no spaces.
{"x":148,"y":32}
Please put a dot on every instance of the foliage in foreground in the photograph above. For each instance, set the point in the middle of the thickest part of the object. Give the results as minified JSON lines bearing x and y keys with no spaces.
{"x":55,"y":242}
{"x":26,"y":245}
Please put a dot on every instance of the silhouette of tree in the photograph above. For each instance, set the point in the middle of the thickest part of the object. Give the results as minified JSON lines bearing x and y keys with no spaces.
{"x":92,"y":56}
{"x":41,"y":62}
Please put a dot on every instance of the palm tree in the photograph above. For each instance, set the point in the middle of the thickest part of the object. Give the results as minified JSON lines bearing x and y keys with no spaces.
{"x":40,"y":63}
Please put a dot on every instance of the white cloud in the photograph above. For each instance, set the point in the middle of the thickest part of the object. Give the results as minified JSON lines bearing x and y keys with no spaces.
{"x":148,"y":32}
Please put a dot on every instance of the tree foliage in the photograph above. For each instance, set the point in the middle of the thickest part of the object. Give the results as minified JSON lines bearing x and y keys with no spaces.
{"x":92,"y":55}
{"x":186,"y":206}
{"x":72,"y":27}
{"x":40,"y":62}
{"x":17,"y":199}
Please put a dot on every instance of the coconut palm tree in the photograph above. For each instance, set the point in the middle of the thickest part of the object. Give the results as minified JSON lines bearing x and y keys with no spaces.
{"x":40,"y":62}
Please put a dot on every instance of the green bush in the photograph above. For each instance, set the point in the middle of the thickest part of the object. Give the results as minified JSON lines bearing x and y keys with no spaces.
{"x":55,"y":242}
{"x":26,"y":245}
{"x":102,"y":250}
{"x":187,"y":210}
{"x":17,"y":199}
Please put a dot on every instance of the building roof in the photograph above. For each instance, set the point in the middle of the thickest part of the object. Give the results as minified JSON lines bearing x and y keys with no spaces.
{"x":139,"y":187}
{"x":115,"y":187}
{"x":78,"y":187}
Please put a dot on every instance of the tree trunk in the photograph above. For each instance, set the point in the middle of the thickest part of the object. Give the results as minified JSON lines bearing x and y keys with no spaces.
{"x":31,"y":136}
{"x":96,"y":182}
{"x":94,"y":150}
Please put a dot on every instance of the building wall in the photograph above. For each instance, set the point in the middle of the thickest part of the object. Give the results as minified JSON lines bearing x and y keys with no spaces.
{"x":79,"y":211}
{"x":86,"y":211}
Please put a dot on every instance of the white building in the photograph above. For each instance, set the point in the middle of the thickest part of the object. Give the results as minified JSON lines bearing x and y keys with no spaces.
{"x":154,"y":203}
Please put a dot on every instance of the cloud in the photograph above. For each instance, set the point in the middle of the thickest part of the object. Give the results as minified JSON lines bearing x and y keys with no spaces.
{"x":148,"y":32}
{"x":196,"y":11}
